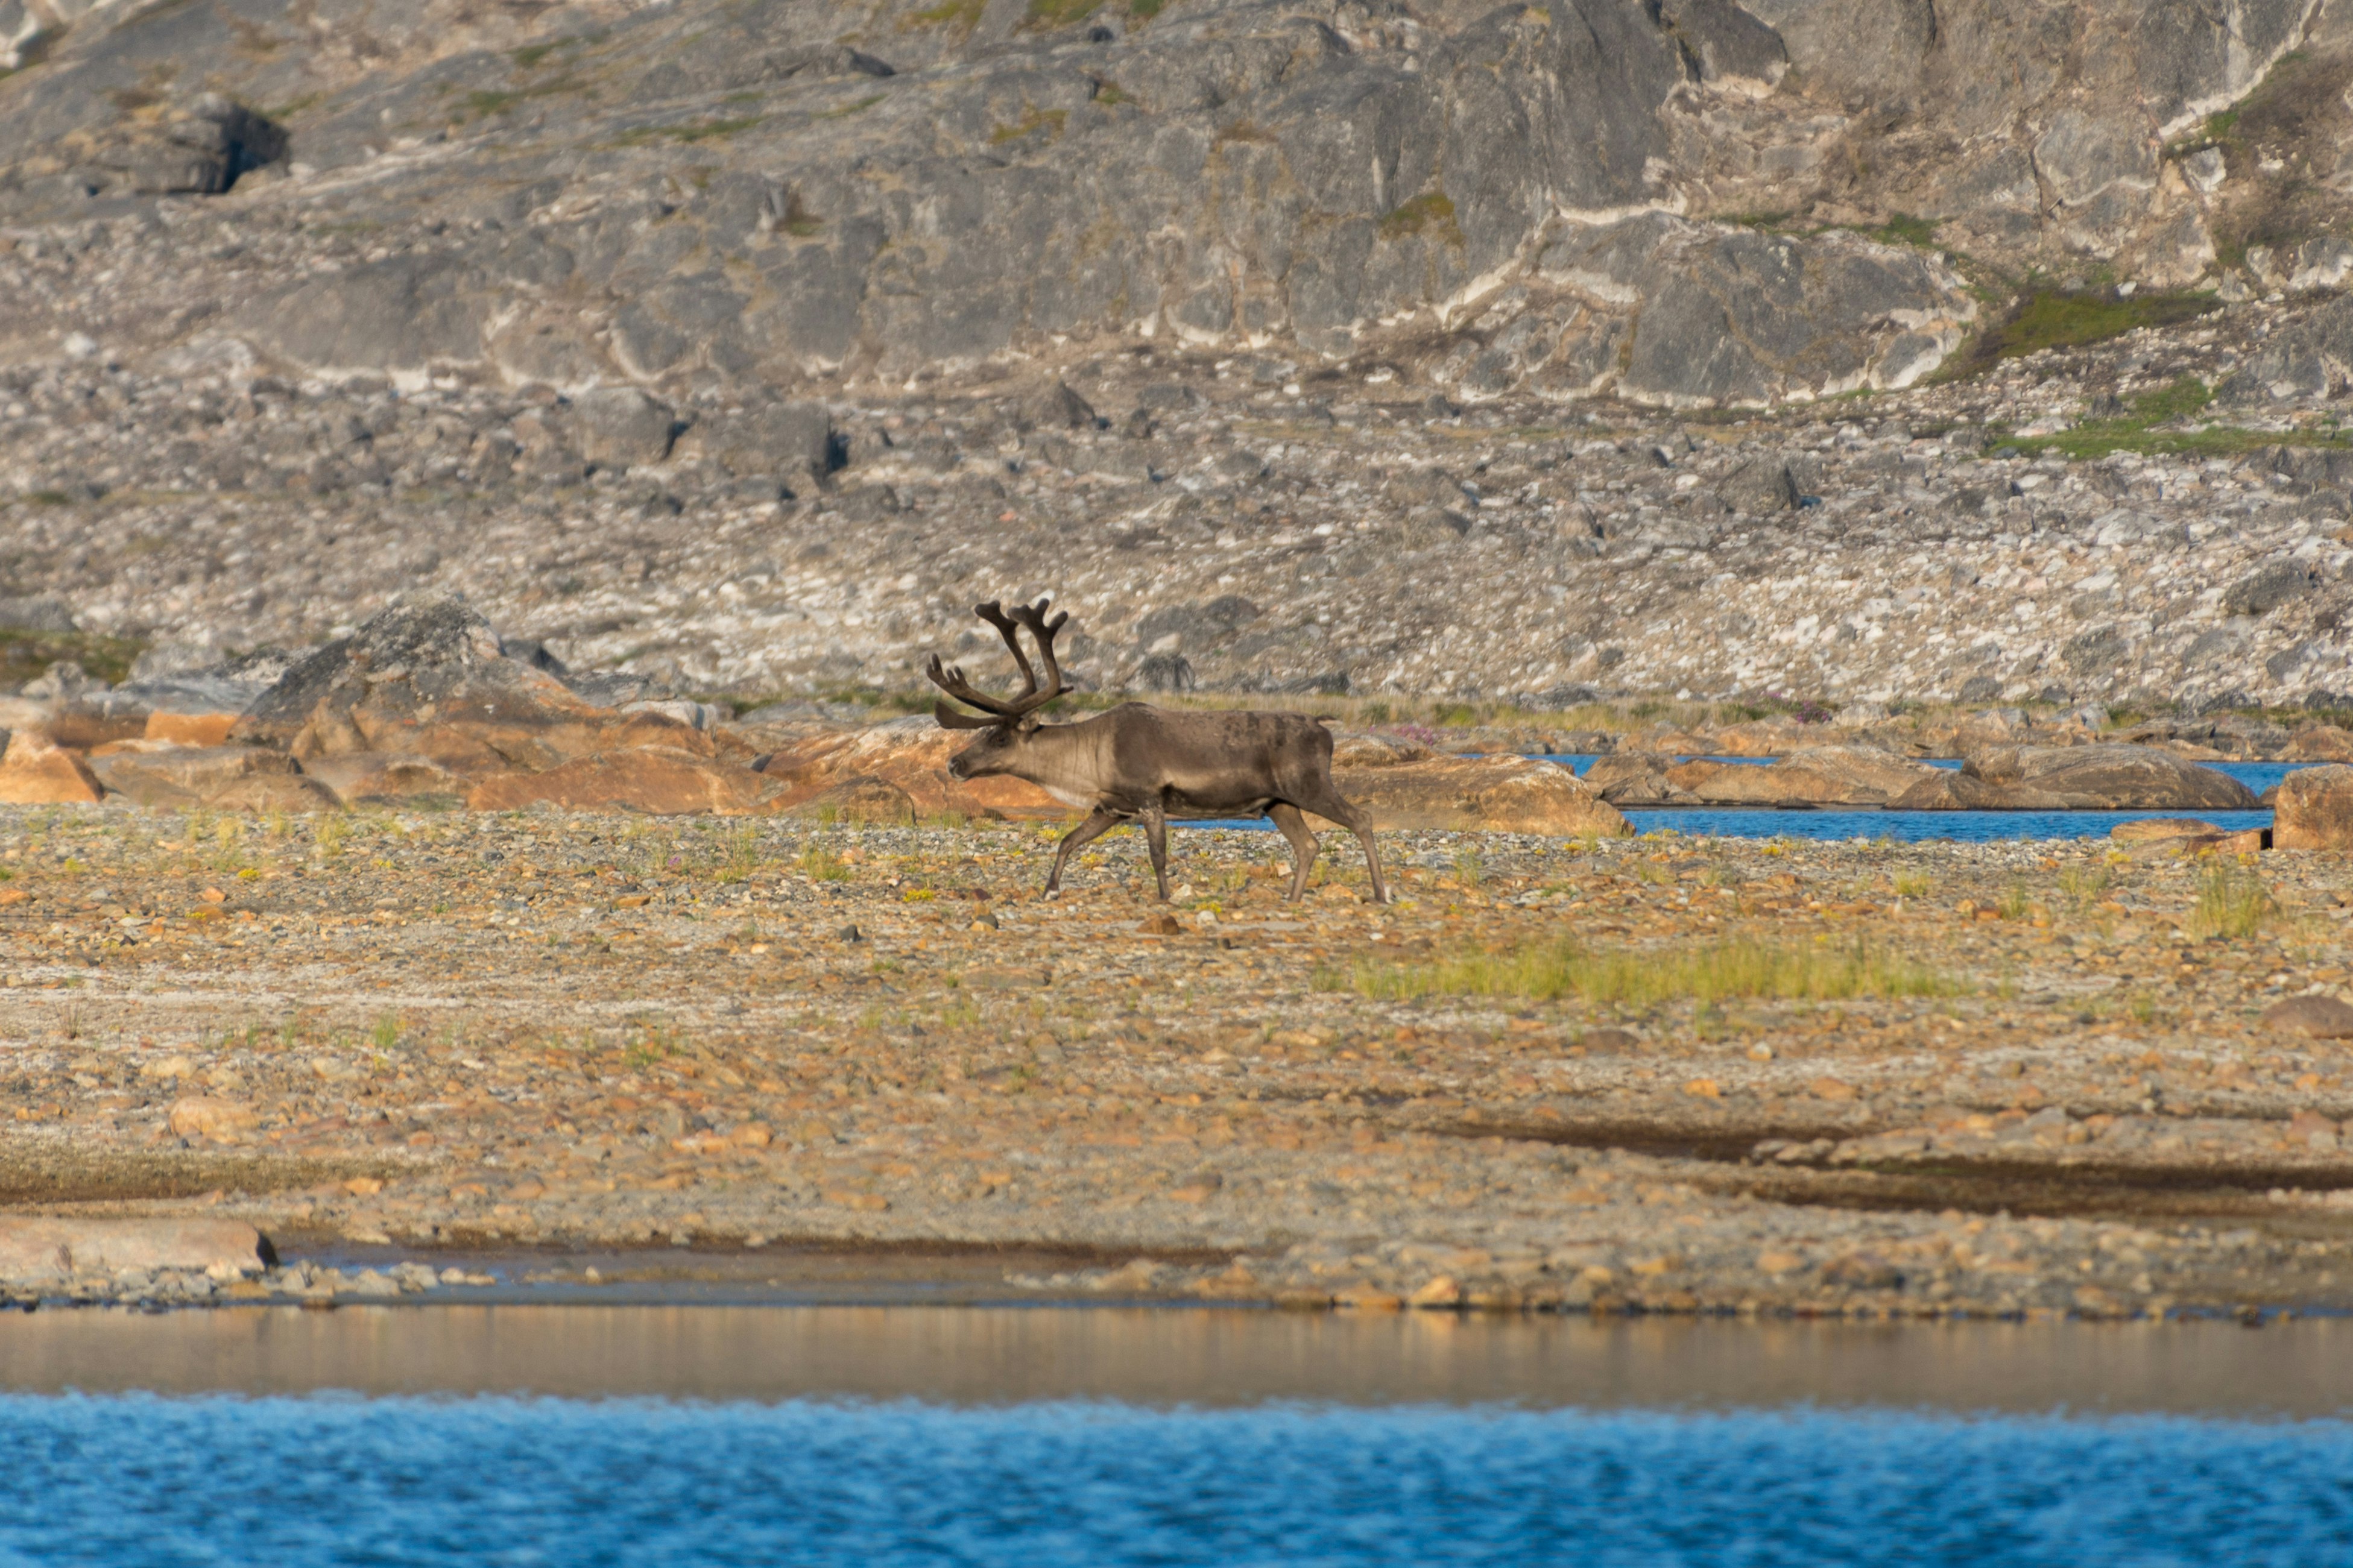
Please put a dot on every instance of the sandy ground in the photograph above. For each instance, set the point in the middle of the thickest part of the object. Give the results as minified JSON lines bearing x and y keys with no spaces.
{"x":726,"y":1043}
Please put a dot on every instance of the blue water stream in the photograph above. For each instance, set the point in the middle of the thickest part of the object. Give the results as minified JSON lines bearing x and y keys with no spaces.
{"x":1902,"y":826}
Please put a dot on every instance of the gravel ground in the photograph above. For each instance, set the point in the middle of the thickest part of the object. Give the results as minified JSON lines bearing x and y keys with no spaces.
{"x":422,"y":1035}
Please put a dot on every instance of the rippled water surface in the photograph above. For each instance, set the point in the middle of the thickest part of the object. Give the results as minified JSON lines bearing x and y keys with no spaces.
{"x":136,"y":1480}
{"x":887,"y":1436}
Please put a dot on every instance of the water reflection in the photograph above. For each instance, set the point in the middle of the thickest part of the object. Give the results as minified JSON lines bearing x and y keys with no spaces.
{"x":1192,"y":1356}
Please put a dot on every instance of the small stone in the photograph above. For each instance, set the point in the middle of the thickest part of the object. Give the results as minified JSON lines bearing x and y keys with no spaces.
{"x":1365,"y":1299}
{"x":207,"y":1116}
{"x":2317,"y":1017}
{"x":1443,"y":1291}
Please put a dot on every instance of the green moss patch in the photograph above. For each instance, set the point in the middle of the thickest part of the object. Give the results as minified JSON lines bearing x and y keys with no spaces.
{"x":2050,"y":320}
{"x":2142,"y":429}
{"x":26,"y":654}
{"x":1431,"y":211}
{"x":686,"y":135}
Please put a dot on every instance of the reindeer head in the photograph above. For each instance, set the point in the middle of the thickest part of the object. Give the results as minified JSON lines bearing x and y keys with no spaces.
{"x":1008,"y":721}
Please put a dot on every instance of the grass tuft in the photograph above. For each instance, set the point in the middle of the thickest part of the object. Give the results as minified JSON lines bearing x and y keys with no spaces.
{"x":1715,"y":971}
{"x":2232,"y":903}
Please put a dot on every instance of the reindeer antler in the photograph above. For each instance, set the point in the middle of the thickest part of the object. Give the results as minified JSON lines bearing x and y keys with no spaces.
{"x":951,"y":679}
{"x":1043,"y":630}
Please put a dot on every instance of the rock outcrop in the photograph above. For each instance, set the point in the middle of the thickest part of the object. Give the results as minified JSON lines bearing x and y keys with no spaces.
{"x":661,"y":780}
{"x":34,"y":1247}
{"x":2077,"y":778}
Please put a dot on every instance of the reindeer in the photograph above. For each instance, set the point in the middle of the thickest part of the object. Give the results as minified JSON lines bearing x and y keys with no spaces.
{"x":1141,"y":763}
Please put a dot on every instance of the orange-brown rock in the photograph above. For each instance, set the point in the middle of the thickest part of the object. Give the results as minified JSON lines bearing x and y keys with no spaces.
{"x":36,"y":771}
{"x":159,"y":773}
{"x":659,"y":780}
{"x":1499,"y":795}
{"x":2319,"y":744}
{"x":372,"y":778}
{"x":911,"y":755}
{"x":2313,"y":809}
{"x":190,"y":728}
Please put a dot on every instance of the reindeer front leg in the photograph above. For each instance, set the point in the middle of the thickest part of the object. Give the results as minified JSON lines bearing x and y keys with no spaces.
{"x":1098,"y":823}
{"x":1156,"y":836}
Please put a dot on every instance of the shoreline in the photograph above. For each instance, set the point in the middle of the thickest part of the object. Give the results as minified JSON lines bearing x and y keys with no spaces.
{"x":1968,"y":1078}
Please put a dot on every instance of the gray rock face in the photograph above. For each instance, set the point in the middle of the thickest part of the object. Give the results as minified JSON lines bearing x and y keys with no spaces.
{"x":838,"y":196}
{"x":621,"y":426}
{"x":698,"y":194}
{"x":2312,"y":359}
{"x":36,"y":612}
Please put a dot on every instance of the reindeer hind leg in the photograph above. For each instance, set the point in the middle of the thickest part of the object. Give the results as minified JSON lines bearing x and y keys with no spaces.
{"x":1293,"y":826}
{"x":1325,"y":802}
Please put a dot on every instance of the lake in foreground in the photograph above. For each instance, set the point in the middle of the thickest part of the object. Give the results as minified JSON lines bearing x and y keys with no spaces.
{"x":585,"y":1434}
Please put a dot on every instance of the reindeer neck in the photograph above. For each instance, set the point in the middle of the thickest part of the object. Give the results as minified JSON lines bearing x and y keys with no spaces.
{"x":1067,"y":759}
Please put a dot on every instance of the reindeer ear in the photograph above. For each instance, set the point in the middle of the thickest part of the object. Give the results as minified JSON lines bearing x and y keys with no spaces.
{"x":1029,"y":722}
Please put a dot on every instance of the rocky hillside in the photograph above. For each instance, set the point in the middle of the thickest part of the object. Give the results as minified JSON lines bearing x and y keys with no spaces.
{"x":1297,"y":347}
{"x":1628,"y":195}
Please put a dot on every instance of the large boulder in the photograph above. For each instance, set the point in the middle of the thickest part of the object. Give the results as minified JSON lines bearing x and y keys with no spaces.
{"x":1496,"y":795}
{"x":2097,"y":777}
{"x":2313,"y":809}
{"x":1637,"y":778}
{"x":426,"y":678}
{"x":1818,"y":775}
{"x":1949,"y":789}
